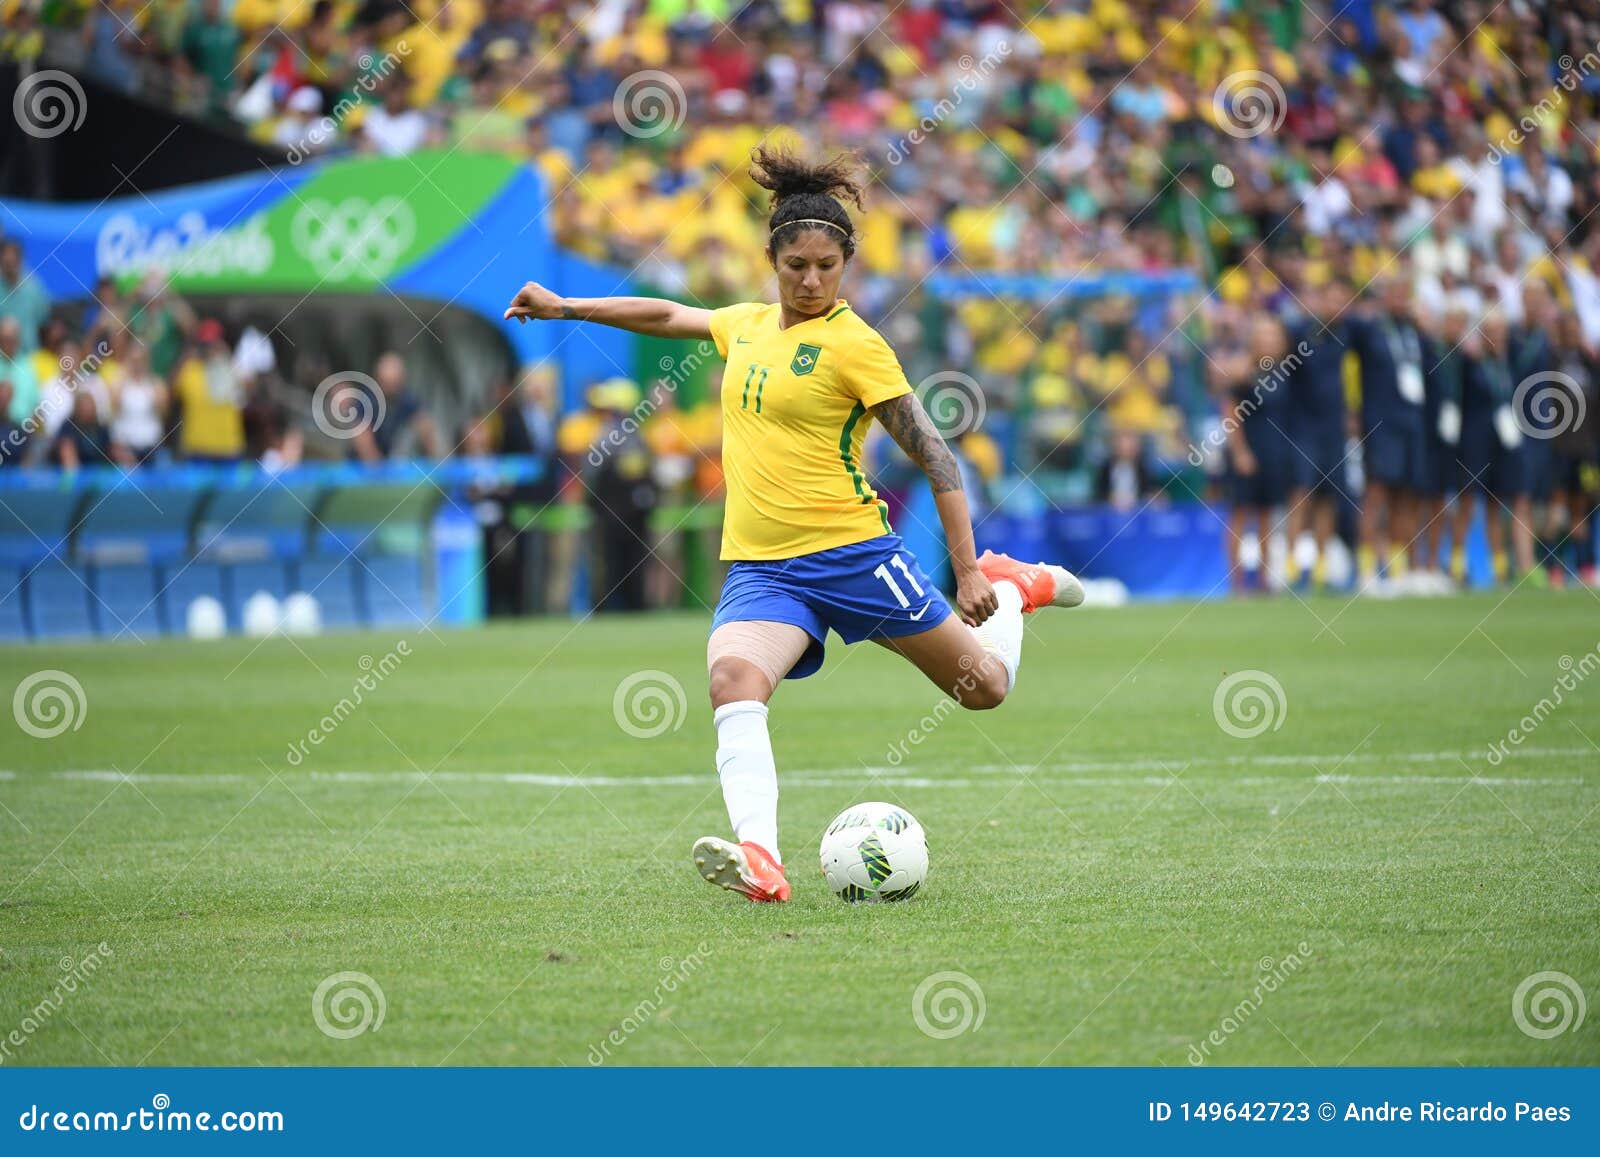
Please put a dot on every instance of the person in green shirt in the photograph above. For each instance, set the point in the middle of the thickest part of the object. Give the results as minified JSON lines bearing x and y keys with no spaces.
{"x":211,"y":47}
{"x":16,"y":367}
{"x":21,"y":295}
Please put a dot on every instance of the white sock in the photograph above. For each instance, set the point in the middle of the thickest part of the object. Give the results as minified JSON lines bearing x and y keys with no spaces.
{"x":1001,"y":632}
{"x":749,"y":774}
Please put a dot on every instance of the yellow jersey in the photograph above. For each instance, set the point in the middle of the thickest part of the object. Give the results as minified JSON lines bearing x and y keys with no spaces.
{"x":795,"y":408}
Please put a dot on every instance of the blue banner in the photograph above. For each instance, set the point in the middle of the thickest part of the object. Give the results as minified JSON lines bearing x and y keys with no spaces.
{"x":763,"y":1112}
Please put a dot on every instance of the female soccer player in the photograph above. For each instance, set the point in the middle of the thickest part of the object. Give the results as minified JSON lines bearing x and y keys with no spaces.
{"x":807,"y":538}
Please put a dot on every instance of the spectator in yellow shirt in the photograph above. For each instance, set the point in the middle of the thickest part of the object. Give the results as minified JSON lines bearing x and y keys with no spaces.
{"x":210,"y":397}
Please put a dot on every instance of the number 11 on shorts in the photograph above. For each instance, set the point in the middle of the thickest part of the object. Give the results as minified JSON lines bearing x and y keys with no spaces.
{"x":883,"y":573}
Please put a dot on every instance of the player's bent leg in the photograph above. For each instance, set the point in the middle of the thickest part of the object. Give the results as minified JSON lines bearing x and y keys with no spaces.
{"x":953,"y":656}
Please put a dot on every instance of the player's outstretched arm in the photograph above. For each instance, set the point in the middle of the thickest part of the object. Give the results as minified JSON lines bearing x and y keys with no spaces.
{"x":909,"y":425}
{"x":650,"y":315}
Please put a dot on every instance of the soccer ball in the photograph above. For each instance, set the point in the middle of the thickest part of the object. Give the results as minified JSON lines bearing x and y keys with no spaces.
{"x":874,"y":851}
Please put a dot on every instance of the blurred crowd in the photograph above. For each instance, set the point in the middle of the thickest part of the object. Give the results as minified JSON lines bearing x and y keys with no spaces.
{"x":1389,"y":204}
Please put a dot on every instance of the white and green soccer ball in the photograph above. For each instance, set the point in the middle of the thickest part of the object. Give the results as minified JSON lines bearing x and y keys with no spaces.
{"x":874,"y":851}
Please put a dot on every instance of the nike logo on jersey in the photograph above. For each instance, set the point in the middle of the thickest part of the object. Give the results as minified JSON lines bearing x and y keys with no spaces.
{"x":741,"y":341}
{"x":917,"y":618}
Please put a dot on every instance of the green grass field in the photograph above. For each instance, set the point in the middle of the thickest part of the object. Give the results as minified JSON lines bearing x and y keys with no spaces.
{"x":1114,"y":872}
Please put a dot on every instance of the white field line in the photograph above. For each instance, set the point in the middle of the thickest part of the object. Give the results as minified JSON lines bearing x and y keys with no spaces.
{"x":1062,"y":774}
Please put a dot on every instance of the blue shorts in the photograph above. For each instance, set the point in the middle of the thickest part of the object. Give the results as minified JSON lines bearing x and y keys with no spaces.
{"x":1393,"y":452}
{"x":866,"y":590}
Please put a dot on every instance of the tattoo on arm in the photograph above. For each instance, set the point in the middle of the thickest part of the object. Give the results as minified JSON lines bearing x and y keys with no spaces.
{"x":909,"y":425}
{"x":568,"y":313}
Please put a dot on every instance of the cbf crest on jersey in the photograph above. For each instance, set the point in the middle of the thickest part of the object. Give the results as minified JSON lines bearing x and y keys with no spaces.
{"x":805,"y":359}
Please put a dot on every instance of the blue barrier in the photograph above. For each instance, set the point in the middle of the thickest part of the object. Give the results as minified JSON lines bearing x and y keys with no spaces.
{"x":117,"y":554}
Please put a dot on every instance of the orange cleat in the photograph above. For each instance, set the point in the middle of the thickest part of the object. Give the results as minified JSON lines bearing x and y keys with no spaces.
{"x":1041,"y":584}
{"x":746,"y":868}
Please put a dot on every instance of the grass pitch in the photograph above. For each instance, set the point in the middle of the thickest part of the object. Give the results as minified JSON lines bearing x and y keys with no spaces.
{"x":1115,"y":876}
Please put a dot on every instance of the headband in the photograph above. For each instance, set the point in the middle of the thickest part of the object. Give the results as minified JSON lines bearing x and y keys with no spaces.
{"x":812,"y":221}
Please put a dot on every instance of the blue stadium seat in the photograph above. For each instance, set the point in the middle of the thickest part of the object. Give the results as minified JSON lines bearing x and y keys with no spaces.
{"x":13,"y":612}
{"x":331,"y":580}
{"x":393,"y":590}
{"x":246,"y":578}
{"x":128,"y":603}
{"x":183,"y":583}
{"x":58,"y":603}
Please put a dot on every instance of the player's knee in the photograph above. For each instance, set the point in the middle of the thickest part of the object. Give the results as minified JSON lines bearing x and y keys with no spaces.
{"x":736,"y":680}
{"x":984,"y":687}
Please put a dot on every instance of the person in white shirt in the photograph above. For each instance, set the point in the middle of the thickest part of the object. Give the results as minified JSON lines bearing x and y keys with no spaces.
{"x":139,"y":421}
{"x":395,"y":129}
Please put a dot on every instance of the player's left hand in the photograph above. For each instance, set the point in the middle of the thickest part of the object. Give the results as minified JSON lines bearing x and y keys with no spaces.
{"x":534,"y":301}
{"x":975,"y":597}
